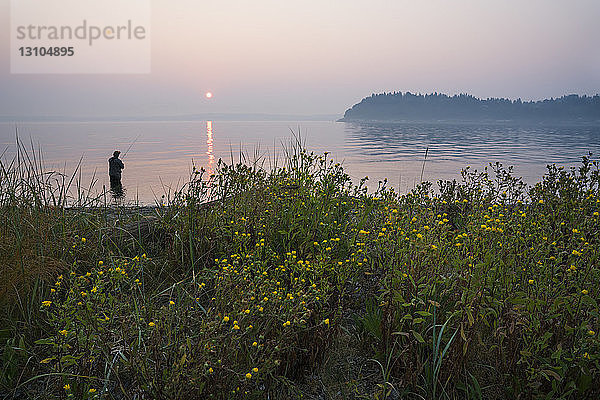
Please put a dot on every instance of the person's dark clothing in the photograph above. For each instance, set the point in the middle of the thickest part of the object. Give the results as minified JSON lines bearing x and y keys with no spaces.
{"x":115,"y":181}
{"x":115,"y":166}
{"x":114,"y":171}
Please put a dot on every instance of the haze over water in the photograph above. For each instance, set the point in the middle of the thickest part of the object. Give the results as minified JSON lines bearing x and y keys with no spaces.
{"x":160,"y":160}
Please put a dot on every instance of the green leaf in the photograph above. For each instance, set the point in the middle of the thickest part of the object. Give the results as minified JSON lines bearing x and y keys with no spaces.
{"x":551,"y":373}
{"x":68,"y":360}
{"x":418,"y":336}
{"x":398,"y":297}
{"x":546,"y":336}
{"x":470,"y":317}
{"x":424,"y":313}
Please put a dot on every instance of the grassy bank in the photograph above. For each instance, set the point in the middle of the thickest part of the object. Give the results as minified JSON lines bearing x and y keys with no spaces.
{"x":292,"y":282}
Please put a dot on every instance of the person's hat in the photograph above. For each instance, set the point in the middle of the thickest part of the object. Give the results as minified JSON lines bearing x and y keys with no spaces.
{"x":116,"y":153}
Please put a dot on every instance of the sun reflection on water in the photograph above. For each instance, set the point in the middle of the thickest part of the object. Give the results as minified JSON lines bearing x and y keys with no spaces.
{"x":210,"y":167}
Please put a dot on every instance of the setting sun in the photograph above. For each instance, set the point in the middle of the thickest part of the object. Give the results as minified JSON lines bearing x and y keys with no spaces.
{"x":209,"y":95}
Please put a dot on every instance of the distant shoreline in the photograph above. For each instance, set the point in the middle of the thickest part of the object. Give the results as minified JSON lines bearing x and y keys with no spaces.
{"x":398,"y":106}
{"x":499,"y":122}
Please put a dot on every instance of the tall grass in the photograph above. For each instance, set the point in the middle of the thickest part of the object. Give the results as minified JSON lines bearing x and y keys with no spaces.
{"x":245,"y":282}
{"x":46,"y":215}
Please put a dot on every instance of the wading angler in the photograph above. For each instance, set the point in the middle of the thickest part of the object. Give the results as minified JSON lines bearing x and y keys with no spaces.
{"x":115,"y":166}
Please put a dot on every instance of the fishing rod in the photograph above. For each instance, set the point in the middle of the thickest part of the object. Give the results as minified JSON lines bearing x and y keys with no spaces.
{"x":131,"y":145}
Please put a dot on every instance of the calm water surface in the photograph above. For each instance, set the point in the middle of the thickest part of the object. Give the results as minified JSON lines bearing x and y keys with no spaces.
{"x":161,"y":158}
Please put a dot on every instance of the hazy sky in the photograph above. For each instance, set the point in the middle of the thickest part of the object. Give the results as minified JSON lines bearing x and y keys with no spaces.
{"x":320,"y":56}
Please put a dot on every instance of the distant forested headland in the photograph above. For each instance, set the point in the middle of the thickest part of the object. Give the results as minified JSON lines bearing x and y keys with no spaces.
{"x":436,"y":106}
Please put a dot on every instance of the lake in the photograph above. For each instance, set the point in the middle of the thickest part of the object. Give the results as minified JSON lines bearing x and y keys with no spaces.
{"x":160,"y":154}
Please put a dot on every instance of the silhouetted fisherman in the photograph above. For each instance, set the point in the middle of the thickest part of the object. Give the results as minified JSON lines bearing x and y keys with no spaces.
{"x":114,"y":171}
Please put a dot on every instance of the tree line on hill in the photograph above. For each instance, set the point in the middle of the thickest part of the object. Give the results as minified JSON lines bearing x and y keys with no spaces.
{"x":438,"y":106}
